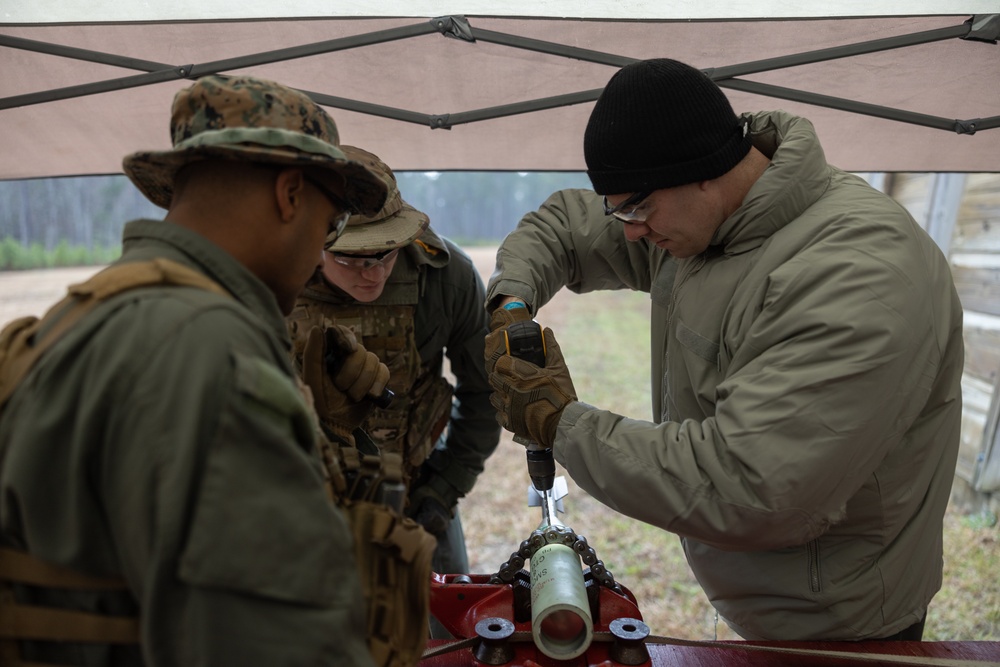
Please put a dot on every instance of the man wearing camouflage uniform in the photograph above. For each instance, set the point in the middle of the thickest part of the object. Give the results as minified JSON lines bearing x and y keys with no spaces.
{"x":413,"y":297}
{"x":161,"y":497}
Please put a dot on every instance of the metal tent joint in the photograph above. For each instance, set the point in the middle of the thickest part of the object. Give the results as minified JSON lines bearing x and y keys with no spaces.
{"x":985,"y":28}
{"x":456,"y":27}
{"x":966,"y":126}
{"x":440,"y":121}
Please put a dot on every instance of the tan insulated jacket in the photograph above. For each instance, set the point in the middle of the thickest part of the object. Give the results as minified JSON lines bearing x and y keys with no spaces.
{"x":806,"y":372}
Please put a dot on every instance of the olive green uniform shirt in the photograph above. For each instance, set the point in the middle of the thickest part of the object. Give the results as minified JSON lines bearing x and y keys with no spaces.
{"x":164,"y":441}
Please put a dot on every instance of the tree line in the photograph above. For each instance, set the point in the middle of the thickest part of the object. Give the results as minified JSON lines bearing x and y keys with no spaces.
{"x":78,"y":220}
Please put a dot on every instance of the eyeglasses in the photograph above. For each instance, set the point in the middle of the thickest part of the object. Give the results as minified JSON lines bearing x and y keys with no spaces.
{"x":338,"y":224}
{"x":636,"y":213}
{"x":363,"y":262}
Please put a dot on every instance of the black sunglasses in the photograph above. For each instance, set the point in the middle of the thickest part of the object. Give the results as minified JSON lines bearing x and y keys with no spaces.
{"x":346,"y":209}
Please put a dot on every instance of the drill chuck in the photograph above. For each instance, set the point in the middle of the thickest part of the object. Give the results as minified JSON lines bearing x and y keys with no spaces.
{"x":541,"y":468}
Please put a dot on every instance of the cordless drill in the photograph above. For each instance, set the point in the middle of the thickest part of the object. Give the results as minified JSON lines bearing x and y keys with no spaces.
{"x":524,"y":340}
{"x":561,"y":620}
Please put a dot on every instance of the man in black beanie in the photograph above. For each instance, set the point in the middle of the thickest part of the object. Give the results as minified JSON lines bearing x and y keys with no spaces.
{"x":806,"y":359}
{"x":660,"y":124}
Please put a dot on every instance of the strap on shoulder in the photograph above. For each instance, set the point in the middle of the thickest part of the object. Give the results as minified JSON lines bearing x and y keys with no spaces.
{"x":20,"y":347}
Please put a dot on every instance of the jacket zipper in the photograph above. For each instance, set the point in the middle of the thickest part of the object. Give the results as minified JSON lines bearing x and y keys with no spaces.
{"x":679,"y":280}
{"x":815,"y":582}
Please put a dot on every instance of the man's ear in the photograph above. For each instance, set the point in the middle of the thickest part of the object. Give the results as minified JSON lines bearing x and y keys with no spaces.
{"x":289,"y":192}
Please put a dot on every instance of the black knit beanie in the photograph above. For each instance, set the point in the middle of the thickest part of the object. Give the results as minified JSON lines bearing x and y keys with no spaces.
{"x":658,"y":124}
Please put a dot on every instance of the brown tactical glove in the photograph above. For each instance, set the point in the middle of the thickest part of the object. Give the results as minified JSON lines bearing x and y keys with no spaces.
{"x":496,"y":345}
{"x":343,"y":390}
{"x":530,"y":400}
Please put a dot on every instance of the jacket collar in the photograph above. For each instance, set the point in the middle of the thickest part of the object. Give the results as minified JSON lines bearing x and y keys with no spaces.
{"x":797,"y":176}
{"x":428,"y":249}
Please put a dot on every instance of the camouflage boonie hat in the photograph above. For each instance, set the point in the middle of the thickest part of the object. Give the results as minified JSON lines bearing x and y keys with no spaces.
{"x":256,"y":120}
{"x":397,"y":224}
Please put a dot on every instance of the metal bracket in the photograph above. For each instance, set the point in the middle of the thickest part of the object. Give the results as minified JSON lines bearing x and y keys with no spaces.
{"x":493,"y":646}
{"x":985,"y":28}
{"x":966,"y":126}
{"x":440,"y":121}
{"x":456,"y":27}
{"x":560,"y":489}
{"x":629,"y":645}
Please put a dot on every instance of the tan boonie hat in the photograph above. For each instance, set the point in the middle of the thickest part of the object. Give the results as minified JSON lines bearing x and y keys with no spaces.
{"x":256,"y":120}
{"x":395,"y":226}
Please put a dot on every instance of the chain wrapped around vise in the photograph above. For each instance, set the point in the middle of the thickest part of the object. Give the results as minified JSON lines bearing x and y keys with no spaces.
{"x":555,"y":535}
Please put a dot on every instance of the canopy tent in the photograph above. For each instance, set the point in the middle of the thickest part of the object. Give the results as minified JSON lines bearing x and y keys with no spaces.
{"x":890,"y":86}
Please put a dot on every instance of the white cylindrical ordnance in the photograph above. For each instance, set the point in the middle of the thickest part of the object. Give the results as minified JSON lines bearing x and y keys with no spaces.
{"x":561,"y":624}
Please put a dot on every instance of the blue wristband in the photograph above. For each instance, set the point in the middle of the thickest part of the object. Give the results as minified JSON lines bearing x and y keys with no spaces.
{"x":514,"y":304}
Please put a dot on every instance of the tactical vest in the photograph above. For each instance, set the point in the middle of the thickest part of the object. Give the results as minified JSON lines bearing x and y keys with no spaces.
{"x":419,"y":413}
{"x":392,"y":553}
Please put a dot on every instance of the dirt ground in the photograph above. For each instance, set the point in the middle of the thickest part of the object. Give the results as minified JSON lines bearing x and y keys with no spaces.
{"x":32,"y":292}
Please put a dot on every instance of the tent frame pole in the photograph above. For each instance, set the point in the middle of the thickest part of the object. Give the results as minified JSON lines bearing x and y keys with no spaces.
{"x":981,"y":28}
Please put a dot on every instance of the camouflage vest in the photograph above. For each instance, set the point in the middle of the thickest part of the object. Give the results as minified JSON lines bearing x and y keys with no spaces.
{"x":422,"y":407}
{"x":392,"y":552}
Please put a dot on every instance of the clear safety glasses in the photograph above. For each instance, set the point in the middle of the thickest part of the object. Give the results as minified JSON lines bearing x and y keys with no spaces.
{"x":362,"y":262}
{"x":630,"y":210}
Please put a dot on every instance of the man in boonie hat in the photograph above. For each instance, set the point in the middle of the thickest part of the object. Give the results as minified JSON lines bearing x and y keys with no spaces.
{"x":237,"y":136}
{"x":164,"y":448}
{"x":413,"y":297}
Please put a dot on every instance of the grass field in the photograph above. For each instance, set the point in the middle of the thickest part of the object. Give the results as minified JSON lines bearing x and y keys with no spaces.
{"x":605,"y":339}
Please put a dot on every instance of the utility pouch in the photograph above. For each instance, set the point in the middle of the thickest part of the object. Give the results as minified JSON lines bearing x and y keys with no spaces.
{"x":394,"y":556}
{"x":428,"y":419}
{"x":393,"y":553}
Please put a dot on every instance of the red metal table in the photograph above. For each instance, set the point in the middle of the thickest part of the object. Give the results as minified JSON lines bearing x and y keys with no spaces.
{"x":712,"y":655}
{"x":495,"y":627}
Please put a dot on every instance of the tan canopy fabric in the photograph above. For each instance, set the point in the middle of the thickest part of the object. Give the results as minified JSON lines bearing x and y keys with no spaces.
{"x":886,"y":92}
